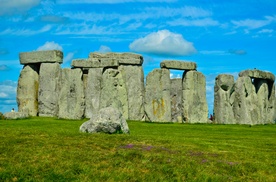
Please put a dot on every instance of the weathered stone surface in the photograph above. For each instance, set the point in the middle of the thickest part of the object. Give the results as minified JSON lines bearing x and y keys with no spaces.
{"x":94,"y":63}
{"x":178,"y":65}
{"x":123,"y":58}
{"x":16,"y":115}
{"x":195,"y":109}
{"x":223,"y":100}
{"x":176,"y":99}
{"x":93,"y":92}
{"x":254,"y":101}
{"x":134,"y":79}
{"x":48,"y":91}
{"x":108,"y":120}
{"x":244,"y":107}
{"x":258,"y":74}
{"x":71,"y":96}
{"x":27,"y":90}
{"x":86,"y":63}
{"x":53,"y":56}
{"x":157,"y":96}
{"x":113,"y":91}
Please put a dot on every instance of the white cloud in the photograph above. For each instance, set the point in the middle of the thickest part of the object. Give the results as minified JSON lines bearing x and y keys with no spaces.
{"x":108,"y":1}
{"x":68,"y":57}
{"x":104,"y":49}
{"x":50,"y":46}
{"x":254,"y":24}
{"x":214,"y":52}
{"x":266,"y":31}
{"x":163,"y":43}
{"x":16,"y":6}
{"x":84,"y":29}
{"x":194,"y":22}
{"x":7,"y":95}
{"x":25,"y":32}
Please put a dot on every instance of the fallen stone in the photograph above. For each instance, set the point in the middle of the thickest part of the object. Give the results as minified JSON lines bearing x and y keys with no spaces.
{"x":176,"y":100}
{"x":258,"y":74}
{"x":53,"y":56}
{"x":27,"y":90}
{"x":93,"y":92}
{"x":48,"y":91}
{"x":223,"y":99}
{"x":195,"y":109}
{"x":16,"y":115}
{"x":71,"y":95}
{"x":134,"y":79}
{"x":157,"y":96}
{"x":178,"y":65}
{"x":108,"y":120}
{"x":113,"y":91}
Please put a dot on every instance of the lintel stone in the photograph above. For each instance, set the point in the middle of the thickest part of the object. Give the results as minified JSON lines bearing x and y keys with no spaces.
{"x":258,"y":74}
{"x":94,"y":63}
{"x":52,"y":56}
{"x":178,"y":65}
{"x":123,"y":58}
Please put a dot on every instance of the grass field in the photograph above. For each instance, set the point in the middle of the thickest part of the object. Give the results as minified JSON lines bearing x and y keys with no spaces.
{"x":47,"y":149}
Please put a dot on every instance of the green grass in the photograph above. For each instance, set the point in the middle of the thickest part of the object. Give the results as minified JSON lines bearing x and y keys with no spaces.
{"x":47,"y":149}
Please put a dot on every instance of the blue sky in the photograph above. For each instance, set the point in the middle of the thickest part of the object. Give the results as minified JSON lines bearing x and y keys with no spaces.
{"x":221,"y":36}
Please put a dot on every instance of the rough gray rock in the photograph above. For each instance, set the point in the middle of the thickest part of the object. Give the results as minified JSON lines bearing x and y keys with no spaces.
{"x":178,"y":65}
{"x":86,"y":63}
{"x":93,"y":92}
{"x":157,"y":96}
{"x":108,"y":120}
{"x":53,"y":56}
{"x":258,"y":74}
{"x":71,"y":96}
{"x":134,"y":79}
{"x":48,"y":91}
{"x":176,"y":100}
{"x":27,"y":90}
{"x":123,"y":58}
{"x":195,"y":109}
{"x":113,"y":91}
{"x":16,"y":115}
{"x":223,"y":100}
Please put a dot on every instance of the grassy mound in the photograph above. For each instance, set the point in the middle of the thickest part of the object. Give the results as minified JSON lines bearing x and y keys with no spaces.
{"x":48,"y":149}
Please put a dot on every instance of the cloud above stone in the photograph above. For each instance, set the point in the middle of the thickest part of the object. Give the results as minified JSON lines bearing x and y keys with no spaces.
{"x":237,"y":52}
{"x":104,"y":49}
{"x":9,"y":7}
{"x":50,"y":46}
{"x":163,"y":43}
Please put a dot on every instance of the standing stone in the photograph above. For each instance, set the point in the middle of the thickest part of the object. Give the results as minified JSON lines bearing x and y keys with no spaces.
{"x":113,"y":91}
{"x":157,"y":96}
{"x":134,"y":80}
{"x":93,"y":92}
{"x":195,"y":109}
{"x":176,"y":99}
{"x":244,"y":107}
{"x":223,"y":99}
{"x":49,"y":75}
{"x":71,"y":96}
{"x":27,"y":90}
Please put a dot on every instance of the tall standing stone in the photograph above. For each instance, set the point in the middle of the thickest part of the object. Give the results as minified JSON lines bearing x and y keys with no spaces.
{"x":134,"y":79}
{"x":27,"y":90}
{"x":176,"y":99}
{"x":71,"y":97}
{"x":93,"y":92}
{"x":48,"y":91}
{"x":157,"y":96}
{"x":113,"y":91}
{"x":195,"y":109}
{"x":224,"y":98}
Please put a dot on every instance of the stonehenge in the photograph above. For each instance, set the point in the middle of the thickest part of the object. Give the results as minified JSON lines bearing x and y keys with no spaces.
{"x":117,"y":80}
{"x":250,"y":100}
